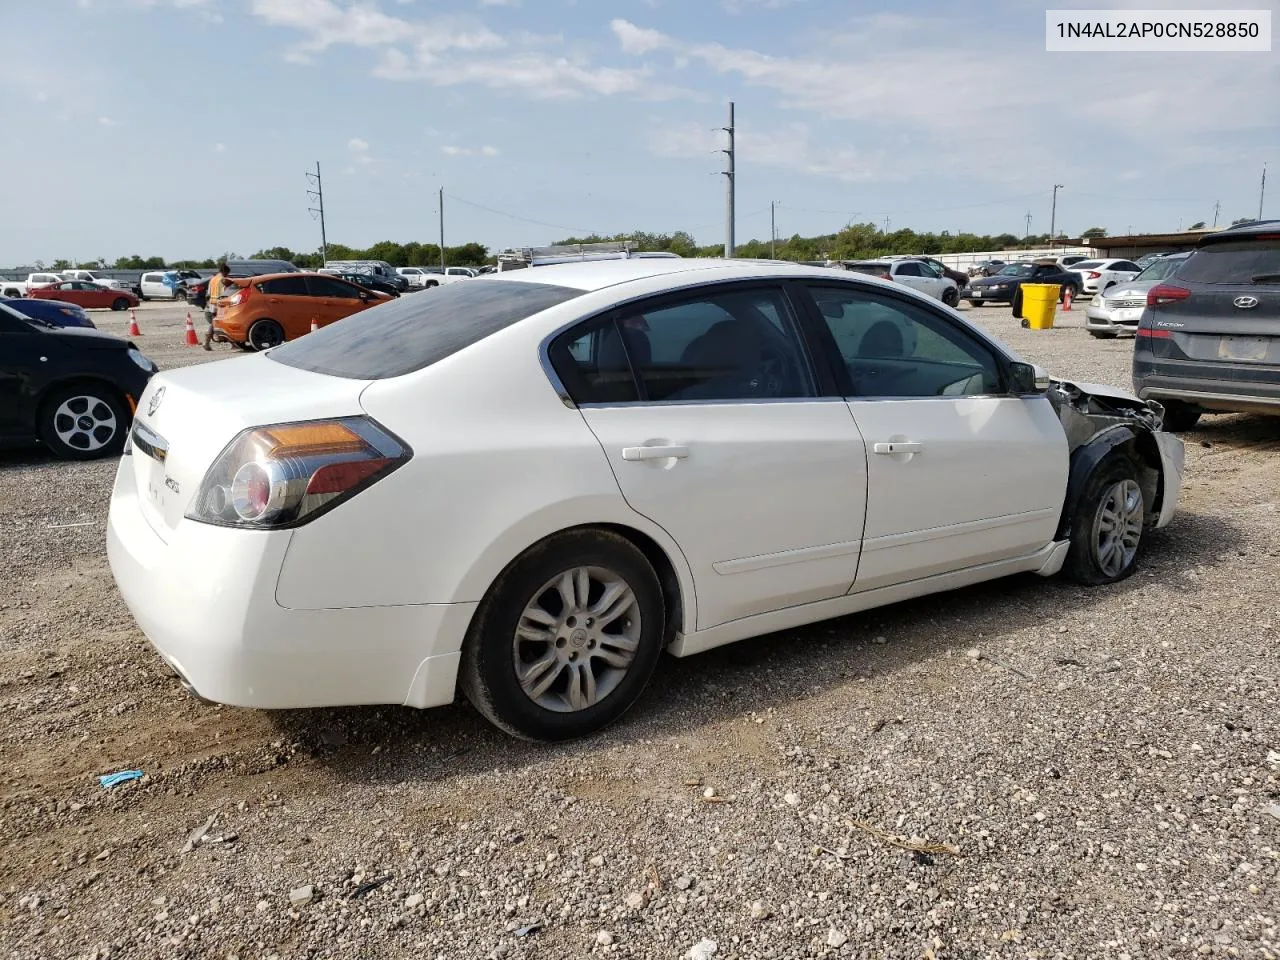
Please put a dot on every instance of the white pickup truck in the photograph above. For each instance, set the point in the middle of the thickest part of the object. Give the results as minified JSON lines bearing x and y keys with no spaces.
{"x":423,"y":277}
{"x":20,"y":288}
{"x":88,"y":276}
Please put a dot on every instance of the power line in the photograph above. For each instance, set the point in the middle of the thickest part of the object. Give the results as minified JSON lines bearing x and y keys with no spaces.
{"x":512,"y":216}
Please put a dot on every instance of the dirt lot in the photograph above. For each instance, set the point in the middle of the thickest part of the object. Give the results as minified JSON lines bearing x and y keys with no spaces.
{"x":1106,"y":763}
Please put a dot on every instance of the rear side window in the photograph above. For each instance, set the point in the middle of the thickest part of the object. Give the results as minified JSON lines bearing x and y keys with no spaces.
{"x":1234,"y":261}
{"x":1086,"y":265}
{"x":1124,"y":266}
{"x":873,"y":269}
{"x":285,"y":287}
{"x":410,"y":333}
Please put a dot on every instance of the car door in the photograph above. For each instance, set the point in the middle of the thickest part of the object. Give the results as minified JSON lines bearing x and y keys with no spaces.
{"x":960,"y":472}
{"x":91,"y":295}
{"x":334,"y":298}
{"x":722,"y":439}
{"x":910,"y":275}
{"x":1119,"y":272}
{"x":24,"y":352}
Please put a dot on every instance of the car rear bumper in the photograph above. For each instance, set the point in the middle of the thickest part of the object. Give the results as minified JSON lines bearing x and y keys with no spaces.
{"x":206,"y":601}
{"x":1228,"y":388}
{"x":1003,"y":296}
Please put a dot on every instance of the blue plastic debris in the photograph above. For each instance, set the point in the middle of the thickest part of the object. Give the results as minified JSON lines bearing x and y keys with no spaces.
{"x":115,"y":779}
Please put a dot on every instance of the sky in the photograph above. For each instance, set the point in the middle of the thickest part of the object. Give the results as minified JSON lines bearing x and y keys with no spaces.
{"x":184,"y":128}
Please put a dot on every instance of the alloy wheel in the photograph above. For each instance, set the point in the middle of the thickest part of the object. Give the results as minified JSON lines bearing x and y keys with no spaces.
{"x":85,"y":423}
{"x":576,"y":639}
{"x":1117,"y":527}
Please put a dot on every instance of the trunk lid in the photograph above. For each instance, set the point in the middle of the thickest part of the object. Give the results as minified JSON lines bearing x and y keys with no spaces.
{"x":186,"y":417}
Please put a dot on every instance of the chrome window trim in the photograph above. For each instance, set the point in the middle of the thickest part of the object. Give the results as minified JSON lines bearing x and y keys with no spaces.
{"x":921,"y":300}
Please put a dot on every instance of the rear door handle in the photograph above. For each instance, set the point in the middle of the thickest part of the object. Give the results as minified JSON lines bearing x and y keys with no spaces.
{"x":655,"y":453}
{"x":898,"y":446}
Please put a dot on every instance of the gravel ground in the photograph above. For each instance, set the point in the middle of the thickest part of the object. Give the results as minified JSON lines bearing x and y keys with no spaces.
{"x":1021,"y":769}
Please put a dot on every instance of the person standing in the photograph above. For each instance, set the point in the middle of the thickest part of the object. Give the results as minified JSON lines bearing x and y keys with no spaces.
{"x":216,"y":284}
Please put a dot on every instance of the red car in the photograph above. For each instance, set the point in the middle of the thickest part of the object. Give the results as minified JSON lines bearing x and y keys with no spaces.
{"x":86,"y":295}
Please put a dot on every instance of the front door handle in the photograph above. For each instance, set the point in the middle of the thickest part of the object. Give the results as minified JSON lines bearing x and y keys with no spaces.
{"x":655,"y":453}
{"x":898,"y":446}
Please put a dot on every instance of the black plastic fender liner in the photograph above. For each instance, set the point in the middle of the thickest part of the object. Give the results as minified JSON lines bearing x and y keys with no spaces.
{"x":1084,"y":461}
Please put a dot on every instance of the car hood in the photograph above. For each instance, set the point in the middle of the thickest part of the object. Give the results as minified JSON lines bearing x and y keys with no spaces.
{"x":85,"y":338}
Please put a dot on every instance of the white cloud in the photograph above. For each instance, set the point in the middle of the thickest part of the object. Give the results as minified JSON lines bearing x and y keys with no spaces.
{"x":489,"y":151}
{"x":356,"y":145}
{"x":107,"y":122}
{"x":452,"y":150}
{"x":499,"y":3}
{"x":219,"y":148}
{"x":359,"y":152}
{"x":739,"y":6}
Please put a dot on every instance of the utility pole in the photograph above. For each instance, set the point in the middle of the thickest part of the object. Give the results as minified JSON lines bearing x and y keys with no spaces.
{"x":318,"y":195}
{"x":442,"y":228}
{"x":1262,"y":192}
{"x":1053,"y":216}
{"x":1027,"y":239}
{"x":773,"y":229}
{"x":886,"y":224}
{"x":729,"y":178}
{"x":1217,"y":205}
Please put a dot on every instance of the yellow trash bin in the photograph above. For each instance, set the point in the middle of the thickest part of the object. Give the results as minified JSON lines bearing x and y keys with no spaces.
{"x":1039,"y":302}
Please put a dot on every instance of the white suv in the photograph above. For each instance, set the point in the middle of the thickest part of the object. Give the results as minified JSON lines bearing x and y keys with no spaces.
{"x":910,"y":273}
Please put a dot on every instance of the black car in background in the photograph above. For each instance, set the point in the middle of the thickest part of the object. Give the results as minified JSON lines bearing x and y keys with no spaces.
{"x":1003,"y":285}
{"x":366,"y":280}
{"x":72,"y":389}
{"x":1209,"y":338}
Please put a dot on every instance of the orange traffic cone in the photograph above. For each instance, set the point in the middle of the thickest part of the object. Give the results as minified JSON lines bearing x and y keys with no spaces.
{"x":1066,"y":301}
{"x":314,"y":326}
{"x":133,"y":324}
{"x":192,"y":339}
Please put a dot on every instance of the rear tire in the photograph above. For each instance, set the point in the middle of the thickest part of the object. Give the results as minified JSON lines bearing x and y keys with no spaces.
{"x":951,"y":298}
{"x":603,"y":632}
{"x":265,"y":334}
{"x":1108,"y":525}
{"x":119,"y":303}
{"x":976,"y":303}
{"x":1103,"y":334}
{"x":83,"y":422}
{"x":1179,"y":416}
{"x":431,"y":283}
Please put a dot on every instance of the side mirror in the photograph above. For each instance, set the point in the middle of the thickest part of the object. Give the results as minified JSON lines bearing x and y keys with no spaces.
{"x":1028,"y":379}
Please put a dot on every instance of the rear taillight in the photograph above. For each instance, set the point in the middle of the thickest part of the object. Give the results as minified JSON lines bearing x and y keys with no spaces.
{"x":1094,"y":275}
{"x":1163,"y":293}
{"x":282,"y":475}
{"x":885,"y":276}
{"x":1153,"y":334}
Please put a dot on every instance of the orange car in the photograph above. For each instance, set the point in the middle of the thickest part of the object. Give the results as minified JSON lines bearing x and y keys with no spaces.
{"x":261,"y":312}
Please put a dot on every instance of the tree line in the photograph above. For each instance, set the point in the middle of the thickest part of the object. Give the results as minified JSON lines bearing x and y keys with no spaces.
{"x":856,"y":241}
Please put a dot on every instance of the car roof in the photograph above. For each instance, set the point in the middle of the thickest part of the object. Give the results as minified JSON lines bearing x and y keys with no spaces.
{"x":1241,"y":230}
{"x":590,"y":275}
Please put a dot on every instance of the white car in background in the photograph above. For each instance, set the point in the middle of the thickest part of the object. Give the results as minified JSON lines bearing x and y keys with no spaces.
{"x":683,"y":453}
{"x":1120,"y":307}
{"x":425,"y":277}
{"x":1097,"y":275}
{"x":910,"y":273}
{"x":88,"y":276}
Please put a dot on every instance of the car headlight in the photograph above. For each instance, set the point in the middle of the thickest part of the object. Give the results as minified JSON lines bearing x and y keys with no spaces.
{"x":143,"y":361}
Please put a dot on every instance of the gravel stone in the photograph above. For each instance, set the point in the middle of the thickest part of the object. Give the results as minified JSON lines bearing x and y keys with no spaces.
{"x":604,"y":938}
{"x":300,"y":896}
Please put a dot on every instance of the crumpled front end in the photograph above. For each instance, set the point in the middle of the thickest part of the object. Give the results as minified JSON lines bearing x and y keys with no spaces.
{"x":1097,"y":418}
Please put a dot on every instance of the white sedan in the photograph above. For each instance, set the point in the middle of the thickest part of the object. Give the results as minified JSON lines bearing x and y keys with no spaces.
{"x":1097,"y":275}
{"x":530,"y":485}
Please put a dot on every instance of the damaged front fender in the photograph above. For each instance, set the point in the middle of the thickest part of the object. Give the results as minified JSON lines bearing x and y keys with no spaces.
{"x":1098,"y":419}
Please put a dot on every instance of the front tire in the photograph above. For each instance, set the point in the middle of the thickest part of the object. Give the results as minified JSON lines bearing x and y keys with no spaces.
{"x":567,"y":637}
{"x":1179,"y":416}
{"x":1108,"y":525}
{"x":951,"y":298}
{"x":265,"y":334}
{"x":83,"y":422}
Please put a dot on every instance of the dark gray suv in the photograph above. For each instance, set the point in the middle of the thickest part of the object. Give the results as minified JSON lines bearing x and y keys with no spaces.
{"x":1209,"y":338}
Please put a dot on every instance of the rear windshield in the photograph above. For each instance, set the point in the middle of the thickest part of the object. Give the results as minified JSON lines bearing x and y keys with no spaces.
{"x":415,"y":331}
{"x":873,"y":268}
{"x":1234,"y":261}
{"x":1086,"y":264}
{"x":1161,"y":269}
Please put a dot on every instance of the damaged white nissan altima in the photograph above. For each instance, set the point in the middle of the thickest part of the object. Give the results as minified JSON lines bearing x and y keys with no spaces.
{"x":530,"y":485}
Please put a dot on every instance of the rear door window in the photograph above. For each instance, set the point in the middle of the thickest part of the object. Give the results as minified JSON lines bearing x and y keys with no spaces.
{"x":1234,"y":261}
{"x":407,"y":334}
{"x":1124,"y":266}
{"x":285,"y":287}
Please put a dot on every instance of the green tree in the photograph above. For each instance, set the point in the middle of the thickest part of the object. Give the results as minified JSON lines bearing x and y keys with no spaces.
{"x":1094,"y":232}
{"x":60,"y":265}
